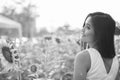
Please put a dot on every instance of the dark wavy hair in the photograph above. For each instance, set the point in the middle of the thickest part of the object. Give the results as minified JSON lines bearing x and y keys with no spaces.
{"x":104,"y":27}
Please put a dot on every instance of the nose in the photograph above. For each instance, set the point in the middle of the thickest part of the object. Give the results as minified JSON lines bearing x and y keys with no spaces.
{"x":83,"y":30}
{"x":81,"y":33}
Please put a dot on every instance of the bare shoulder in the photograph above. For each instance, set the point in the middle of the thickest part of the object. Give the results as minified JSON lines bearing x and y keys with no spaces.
{"x":83,"y":58}
{"x":83,"y":54}
{"x":82,"y":65}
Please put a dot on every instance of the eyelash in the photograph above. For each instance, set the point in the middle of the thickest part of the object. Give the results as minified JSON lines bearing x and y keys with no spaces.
{"x":87,"y":26}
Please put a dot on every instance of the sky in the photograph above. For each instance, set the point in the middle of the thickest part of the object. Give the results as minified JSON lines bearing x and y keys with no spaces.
{"x":56,"y":13}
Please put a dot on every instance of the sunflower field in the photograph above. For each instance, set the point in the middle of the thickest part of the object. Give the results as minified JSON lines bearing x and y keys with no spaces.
{"x":41,"y":58}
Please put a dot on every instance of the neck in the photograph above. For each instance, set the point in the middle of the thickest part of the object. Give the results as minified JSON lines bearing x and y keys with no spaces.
{"x":92,"y":45}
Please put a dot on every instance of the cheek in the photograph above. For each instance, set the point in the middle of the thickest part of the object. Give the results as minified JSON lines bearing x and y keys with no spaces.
{"x":88,"y":37}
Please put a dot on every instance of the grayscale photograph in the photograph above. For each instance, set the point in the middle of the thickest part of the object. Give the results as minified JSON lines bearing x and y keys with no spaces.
{"x":59,"y":40}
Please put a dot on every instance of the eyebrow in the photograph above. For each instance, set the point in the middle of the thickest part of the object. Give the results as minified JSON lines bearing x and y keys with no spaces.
{"x":88,"y":24}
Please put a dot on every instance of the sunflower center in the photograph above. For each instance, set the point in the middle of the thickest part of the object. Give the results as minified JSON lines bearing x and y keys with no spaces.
{"x":33,"y":68}
{"x":7,"y":54}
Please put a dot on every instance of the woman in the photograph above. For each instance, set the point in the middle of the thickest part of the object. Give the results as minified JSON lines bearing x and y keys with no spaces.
{"x":99,"y":62}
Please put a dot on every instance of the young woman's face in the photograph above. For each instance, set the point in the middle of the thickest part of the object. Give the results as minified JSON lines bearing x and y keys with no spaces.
{"x":88,"y":31}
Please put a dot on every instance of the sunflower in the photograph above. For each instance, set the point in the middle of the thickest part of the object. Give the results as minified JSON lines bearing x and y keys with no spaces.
{"x":34,"y":70}
{"x":7,"y":57}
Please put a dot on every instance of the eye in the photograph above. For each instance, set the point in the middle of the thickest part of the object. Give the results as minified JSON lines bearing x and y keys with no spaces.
{"x":87,"y":26}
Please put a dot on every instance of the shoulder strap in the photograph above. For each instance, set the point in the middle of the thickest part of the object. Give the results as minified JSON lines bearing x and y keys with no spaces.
{"x":118,"y":74}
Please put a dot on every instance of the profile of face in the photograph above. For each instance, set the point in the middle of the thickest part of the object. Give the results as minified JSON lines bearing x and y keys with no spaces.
{"x":88,"y":31}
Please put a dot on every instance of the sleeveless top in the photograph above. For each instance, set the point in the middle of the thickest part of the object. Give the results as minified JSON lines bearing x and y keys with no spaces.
{"x":97,"y":70}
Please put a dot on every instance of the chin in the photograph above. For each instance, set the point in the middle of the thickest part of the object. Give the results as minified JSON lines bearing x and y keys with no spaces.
{"x":84,"y":39}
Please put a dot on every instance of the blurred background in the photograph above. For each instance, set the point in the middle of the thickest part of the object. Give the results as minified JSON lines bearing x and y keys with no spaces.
{"x":33,"y":17}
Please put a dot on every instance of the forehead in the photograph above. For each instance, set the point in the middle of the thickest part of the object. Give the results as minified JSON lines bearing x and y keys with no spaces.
{"x":88,"y":20}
